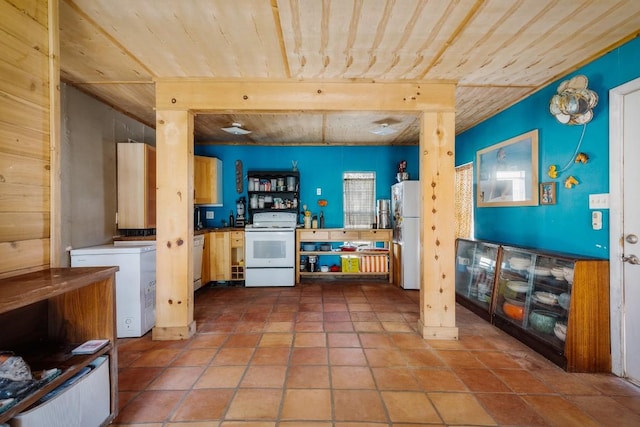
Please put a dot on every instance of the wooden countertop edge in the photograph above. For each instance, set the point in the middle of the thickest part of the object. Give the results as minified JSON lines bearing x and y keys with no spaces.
{"x":20,"y":291}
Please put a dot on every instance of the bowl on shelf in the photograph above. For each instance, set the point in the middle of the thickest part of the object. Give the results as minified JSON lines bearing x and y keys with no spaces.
{"x":543,"y":321}
{"x":564,"y":300}
{"x":309,"y":247}
{"x":325,"y":247}
{"x":513,"y":311}
{"x":324,"y":268}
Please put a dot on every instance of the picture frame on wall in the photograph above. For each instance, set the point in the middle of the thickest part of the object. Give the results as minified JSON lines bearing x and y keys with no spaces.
{"x":547,"y":193}
{"x":507,"y":172}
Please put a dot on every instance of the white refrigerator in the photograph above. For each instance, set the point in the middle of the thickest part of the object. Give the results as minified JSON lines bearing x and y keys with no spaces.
{"x":406,"y":202}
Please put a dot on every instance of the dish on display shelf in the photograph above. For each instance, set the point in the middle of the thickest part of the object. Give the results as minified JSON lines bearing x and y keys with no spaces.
{"x":540,"y":271}
{"x":518,"y":263}
{"x":514,"y":301}
{"x":560,"y":331}
{"x":545,"y":298}
{"x":558,"y":273}
{"x":517,"y":286}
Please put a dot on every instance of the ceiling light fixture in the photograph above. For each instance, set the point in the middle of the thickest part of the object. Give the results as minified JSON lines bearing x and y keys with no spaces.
{"x":383,"y":130}
{"x":236,"y":129}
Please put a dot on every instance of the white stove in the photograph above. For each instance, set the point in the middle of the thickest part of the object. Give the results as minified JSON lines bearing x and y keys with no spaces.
{"x":270,"y":249}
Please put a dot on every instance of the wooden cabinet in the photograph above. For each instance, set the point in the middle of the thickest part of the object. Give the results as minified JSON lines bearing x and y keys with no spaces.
{"x":374,"y":256}
{"x":206,"y":259}
{"x":46,"y":314}
{"x":556,"y":303}
{"x":136,"y":185}
{"x":207,"y":180}
{"x":226,"y":255}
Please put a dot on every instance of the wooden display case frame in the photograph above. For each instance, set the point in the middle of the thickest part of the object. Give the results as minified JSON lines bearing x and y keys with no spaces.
{"x":587,"y":344}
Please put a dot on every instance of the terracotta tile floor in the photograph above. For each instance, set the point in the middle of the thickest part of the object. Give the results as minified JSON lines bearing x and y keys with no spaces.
{"x":346,"y":354}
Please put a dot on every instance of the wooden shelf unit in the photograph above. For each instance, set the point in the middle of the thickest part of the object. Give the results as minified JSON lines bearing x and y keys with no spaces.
{"x":46,"y":314}
{"x":341,"y":235}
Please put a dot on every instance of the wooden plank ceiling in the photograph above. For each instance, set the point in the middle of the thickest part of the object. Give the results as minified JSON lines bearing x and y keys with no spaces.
{"x":497,"y":51}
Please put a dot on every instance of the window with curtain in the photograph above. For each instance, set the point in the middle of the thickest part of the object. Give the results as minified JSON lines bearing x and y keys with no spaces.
{"x":359,"y":199}
{"x":464,"y":201}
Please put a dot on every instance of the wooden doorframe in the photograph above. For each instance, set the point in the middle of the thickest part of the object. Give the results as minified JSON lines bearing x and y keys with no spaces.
{"x":182,"y":98}
{"x":616,"y":230}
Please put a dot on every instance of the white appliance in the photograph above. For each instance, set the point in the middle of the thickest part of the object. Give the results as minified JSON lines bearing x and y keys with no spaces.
{"x":198,"y":247}
{"x":135,"y":283}
{"x":406,"y":202}
{"x":270,"y":249}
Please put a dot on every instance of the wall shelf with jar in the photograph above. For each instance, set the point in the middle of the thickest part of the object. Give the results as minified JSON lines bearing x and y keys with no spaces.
{"x":273,"y":190}
{"x":556,"y":303}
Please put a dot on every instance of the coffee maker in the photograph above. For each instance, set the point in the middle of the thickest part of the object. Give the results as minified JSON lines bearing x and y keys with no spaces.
{"x":240,"y":212}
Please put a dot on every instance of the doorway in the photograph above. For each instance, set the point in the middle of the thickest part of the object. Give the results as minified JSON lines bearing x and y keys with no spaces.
{"x":625,"y":227}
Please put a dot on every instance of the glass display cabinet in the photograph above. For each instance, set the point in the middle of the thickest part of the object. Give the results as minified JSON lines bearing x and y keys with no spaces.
{"x":475,"y":275}
{"x":556,"y":303}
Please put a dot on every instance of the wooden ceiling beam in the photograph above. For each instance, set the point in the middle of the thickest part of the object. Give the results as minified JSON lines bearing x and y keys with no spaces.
{"x":211,"y":95}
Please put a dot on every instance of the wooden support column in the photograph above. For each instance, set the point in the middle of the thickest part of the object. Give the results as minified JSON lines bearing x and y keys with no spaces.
{"x":437,"y":270}
{"x":174,"y":226}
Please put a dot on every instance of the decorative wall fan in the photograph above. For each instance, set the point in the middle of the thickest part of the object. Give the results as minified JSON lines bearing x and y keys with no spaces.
{"x":573,"y":103}
{"x":236,"y":129}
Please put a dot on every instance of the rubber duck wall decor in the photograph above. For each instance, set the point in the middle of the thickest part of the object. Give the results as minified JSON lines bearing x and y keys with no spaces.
{"x":570,"y":182}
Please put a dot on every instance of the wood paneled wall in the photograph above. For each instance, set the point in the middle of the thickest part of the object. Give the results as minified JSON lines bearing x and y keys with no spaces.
{"x":27,"y":61}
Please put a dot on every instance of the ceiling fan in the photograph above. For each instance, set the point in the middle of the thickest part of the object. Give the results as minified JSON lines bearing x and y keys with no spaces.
{"x":236,"y":129}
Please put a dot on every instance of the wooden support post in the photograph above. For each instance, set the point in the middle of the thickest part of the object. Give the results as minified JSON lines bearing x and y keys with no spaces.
{"x":174,"y":233}
{"x":437,"y":267}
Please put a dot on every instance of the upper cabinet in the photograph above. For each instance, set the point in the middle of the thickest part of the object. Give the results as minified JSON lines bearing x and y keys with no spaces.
{"x":136,"y":185}
{"x":556,"y":303}
{"x":207,"y":181}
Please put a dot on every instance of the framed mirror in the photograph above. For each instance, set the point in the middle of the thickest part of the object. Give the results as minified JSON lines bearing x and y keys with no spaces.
{"x":507,"y":172}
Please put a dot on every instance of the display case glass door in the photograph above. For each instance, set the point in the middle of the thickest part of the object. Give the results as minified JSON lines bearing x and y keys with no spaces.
{"x":475,"y":273}
{"x":534,"y":294}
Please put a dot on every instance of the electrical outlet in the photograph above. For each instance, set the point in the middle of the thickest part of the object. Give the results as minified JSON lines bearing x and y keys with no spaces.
{"x":209,"y":214}
{"x":596,"y":220}
{"x":318,"y":191}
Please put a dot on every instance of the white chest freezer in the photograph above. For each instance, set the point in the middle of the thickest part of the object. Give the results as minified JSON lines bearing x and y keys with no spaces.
{"x":135,"y":283}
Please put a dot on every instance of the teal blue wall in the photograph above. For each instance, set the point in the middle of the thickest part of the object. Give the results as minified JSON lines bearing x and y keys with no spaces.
{"x":565,"y":226}
{"x":319,"y":166}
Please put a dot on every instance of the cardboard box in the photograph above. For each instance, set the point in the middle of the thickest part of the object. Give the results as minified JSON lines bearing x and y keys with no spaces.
{"x":374,"y":264}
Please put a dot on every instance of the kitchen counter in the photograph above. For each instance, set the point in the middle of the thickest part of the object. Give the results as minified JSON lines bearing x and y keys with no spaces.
{"x":195,"y":233}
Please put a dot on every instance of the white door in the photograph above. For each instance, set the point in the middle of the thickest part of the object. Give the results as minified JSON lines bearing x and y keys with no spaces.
{"x":625,"y":229}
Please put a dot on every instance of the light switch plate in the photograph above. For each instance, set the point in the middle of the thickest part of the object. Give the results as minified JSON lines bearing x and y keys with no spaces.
{"x":318,"y":191}
{"x":209,"y":214}
{"x":599,"y":201}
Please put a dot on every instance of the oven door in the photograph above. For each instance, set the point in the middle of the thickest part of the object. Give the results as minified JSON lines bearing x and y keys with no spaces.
{"x":269,"y":248}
